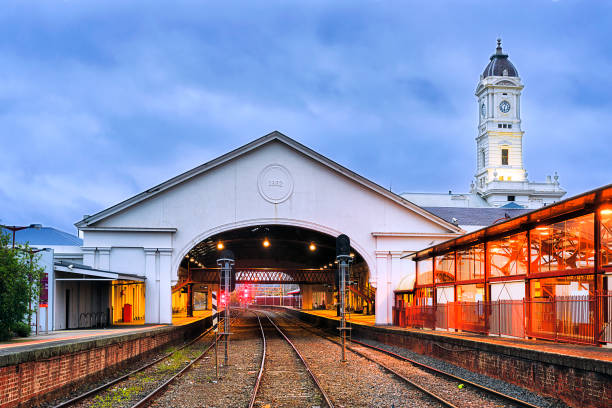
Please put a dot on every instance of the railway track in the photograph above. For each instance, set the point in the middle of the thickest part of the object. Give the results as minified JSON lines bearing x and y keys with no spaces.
{"x":285,"y":379}
{"x":452,"y":395}
{"x":89,"y":397}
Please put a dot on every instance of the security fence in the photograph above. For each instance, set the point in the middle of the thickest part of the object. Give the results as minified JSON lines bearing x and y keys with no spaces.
{"x":572,"y":319}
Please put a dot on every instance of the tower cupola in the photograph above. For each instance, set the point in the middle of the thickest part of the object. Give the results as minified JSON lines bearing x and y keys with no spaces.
{"x":499,"y":64}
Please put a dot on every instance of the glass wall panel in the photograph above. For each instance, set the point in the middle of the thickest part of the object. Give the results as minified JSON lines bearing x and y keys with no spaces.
{"x":579,"y":285}
{"x":425,"y":272}
{"x":564,"y":245}
{"x":445,"y":268}
{"x":471,"y":293}
{"x":508,"y":256}
{"x":606,"y":236}
{"x":470,"y":263}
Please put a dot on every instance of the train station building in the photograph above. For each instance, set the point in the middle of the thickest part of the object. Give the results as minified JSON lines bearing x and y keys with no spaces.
{"x":278,"y":206}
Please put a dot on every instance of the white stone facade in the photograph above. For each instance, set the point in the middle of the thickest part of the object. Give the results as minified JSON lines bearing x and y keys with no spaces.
{"x":273,"y":180}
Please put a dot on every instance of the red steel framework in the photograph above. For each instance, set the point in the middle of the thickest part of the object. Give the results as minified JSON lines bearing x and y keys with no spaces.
{"x":563,"y":255}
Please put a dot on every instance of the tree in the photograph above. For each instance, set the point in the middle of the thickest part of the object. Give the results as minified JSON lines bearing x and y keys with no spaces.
{"x":20,"y":277}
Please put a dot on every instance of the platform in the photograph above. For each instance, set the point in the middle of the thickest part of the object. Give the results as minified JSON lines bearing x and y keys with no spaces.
{"x":356,"y":318}
{"x":564,"y":349}
{"x":62,"y":337}
{"x":580,"y":375}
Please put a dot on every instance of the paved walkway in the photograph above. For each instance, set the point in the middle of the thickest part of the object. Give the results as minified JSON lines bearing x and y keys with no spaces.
{"x":352,"y":317}
{"x":73,"y":336}
{"x":576,"y":350}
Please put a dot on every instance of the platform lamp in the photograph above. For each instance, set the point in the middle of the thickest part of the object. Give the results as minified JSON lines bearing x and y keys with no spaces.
{"x":15,"y":228}
{"x":226,"y":262}
{"x":343,"y":256}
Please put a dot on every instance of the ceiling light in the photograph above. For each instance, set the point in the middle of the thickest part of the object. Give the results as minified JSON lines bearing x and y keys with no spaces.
{"x":325,"y":266}
{"x":187,"y":256}
{"x":266,"y":243}
{"x":352,"y":255}
{"x":220,"y":246}
{"x":312,"y":246}
{"x":192,"y":260}
{"x":606,"y":211}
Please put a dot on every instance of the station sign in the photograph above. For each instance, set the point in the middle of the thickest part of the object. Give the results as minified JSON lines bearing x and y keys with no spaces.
{"x":43,"y":300}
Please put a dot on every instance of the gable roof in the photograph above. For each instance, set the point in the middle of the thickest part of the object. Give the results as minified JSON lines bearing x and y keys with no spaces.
{"x":257,"y":143}
{"x":476,"y":216}
{"x":45,"y":236}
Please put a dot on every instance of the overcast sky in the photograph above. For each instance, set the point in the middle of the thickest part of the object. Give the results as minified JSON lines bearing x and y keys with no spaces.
{"x":99,"y":102}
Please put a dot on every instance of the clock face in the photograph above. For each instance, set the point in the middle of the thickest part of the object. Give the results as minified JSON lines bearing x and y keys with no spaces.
{"x":504,"y":106}
{"x":483,"y":110}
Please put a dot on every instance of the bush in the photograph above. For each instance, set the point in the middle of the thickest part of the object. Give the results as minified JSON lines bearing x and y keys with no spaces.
{"x":19,"y":285}
{"x":21,"y":329}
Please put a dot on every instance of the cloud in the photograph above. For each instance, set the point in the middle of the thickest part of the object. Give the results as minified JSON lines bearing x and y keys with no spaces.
{"x":99,"y":102}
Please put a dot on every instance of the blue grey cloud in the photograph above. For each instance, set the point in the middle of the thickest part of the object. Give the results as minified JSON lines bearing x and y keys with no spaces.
{"x":100,"y":100}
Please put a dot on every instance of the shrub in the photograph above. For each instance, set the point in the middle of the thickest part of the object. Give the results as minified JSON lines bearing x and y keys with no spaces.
{"x":21,"y":329}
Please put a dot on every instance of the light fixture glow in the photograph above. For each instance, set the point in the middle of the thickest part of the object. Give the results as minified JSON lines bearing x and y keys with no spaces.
{"x":187,"y":256}
{"x":606,"y":211}
{"x":266,"y":243}
{"x":312,"y":246}
{"x":352,"y":255}
{"x":220,"y":246}
{"x":191,"y":259}
{"x":324,"y":266}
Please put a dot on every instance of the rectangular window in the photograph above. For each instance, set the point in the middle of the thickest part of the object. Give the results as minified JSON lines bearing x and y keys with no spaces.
{"x":425,"y":272}
{"x":510,"y":126}
{"x":511,"y":198}
{"x":508,"y":256}
{"x":564,"y":245}
{"x":470,"y":263}
{"x":445,"y":268}
{"x":606,"y":236}
{"x":504,"y":157}
{"x":423,"y":296}
{"x":499,"y":125}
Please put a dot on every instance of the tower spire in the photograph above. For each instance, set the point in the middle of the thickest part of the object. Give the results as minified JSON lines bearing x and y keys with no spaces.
{"x":498,"y":50}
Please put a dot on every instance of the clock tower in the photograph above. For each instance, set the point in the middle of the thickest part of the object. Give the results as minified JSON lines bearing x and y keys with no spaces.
{"x":500,"y":175}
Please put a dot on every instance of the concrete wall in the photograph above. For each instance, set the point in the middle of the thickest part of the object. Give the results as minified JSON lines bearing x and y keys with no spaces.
{"x":84,"y":297}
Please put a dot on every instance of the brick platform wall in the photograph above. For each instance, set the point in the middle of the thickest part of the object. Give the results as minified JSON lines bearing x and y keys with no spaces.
{"x":51,"y":370}
{"x":577,"y":382}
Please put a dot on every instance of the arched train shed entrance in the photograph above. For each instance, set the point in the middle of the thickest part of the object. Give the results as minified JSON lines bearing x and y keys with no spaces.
{"x":273,"y":185}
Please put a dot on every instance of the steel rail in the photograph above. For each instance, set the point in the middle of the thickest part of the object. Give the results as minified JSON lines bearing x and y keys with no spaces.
{"x":392,"y":371}
{"x":128,"y":375}
{"x":436,"y":371}
{"x":149,"y":397}
{"x":327,"y":400}
{"x":263,"y":361}
{"x":449,"y":375}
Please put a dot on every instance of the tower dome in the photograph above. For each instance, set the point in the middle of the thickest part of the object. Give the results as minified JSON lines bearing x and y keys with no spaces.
{"x":499,"y":64}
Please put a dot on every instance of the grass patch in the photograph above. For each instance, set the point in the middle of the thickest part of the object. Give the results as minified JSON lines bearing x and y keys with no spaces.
{"x":115,"y":396}
{"x":172,"y":363}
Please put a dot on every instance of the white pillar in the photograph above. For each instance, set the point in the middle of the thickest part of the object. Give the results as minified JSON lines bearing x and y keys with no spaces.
{"x":151,"y":286}
{"x":165,"y":285}
{"x":381,"y":288}
{"x":104,"y":258}
{"x":395,"y":274}
{"x":89,"y":256}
